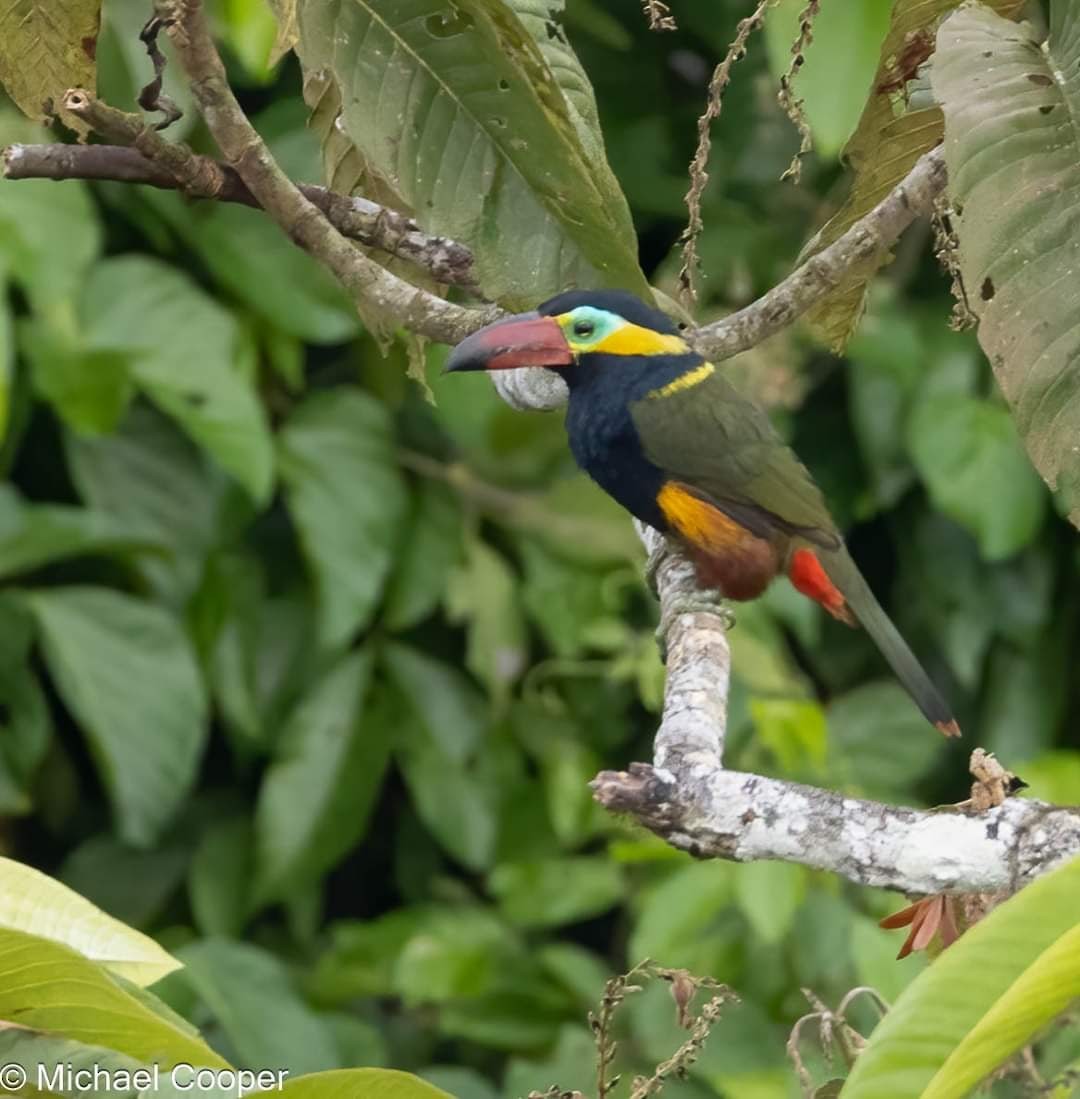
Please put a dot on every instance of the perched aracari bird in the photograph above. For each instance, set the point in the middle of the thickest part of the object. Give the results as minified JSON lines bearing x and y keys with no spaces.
{"x":667,"y":435}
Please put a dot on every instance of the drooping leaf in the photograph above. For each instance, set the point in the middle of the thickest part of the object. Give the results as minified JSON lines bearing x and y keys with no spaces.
{"x":47,"y":985}
{"x":46,"y":47}
{"x":348,"y":500}
{"x":127,"y":674}
{"x":183,"y":349}
{"x":455,"y":114}
{"x":33,"y":902}
{"x":1014,"y":170}
{"x":317,"y":795}
{"x":980,"y":1000}
{"x":249,"y":992}
{"x":889,"y":139}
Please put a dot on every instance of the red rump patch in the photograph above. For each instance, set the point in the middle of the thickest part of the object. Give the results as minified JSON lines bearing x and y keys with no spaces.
{"x":808,"y":577}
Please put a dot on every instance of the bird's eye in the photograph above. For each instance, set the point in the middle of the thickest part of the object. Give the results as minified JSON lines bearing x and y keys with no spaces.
{"x":583,"y":328}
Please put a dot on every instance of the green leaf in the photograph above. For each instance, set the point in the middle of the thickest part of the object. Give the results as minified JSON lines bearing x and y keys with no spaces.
{"x":981,"y":1000}
{"x":839,"y":67}
{"x":90,"y":390}
{"x":961,"y":446}
{"x":483,"y":595}
{"x":888,"y":141}
{"x":430,"y":547}
{"x":32,"y":901}
{"x":184,"y":356}
{"x":554,"y":891}
{"x":682,"y":919}
{"x":318,"y":794}
{"x":126,"y":672}
{"x":1014,"y":169}
{"x":769,"y":894}
{"x":337,"y":460}
{"x":239,"y":246}
{"x":220,"y":877}
{"x":249,"y":992}
{"x":450,"y":709}
{"x":132,"y":885}
{"x":491,"y":153}
{"x":149,"y":477}
{"x":371,"y":1083}
{"x":49,"y":235}
{"x":32,"y":535}
{"x":49,"y":986}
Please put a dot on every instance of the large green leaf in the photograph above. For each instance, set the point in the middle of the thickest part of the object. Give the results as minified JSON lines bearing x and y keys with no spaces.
{"x":32,"y":535}
{"x":348,"y":500}
{"x":981,"y":1000}
{"x":48,"y":986}
{"x":317,"y":795}
{"x":890,"y":138}
{"x":184,"y":356}
{"x":125,"y":670}
{"x":33,"y":902}
{"x":249,"y":992}
{"x":371,"y":1083}
{"x":459,"y":117}
{"x":46,"y":47}
{"x":149,"y":477}
{"x":1014,"y":173}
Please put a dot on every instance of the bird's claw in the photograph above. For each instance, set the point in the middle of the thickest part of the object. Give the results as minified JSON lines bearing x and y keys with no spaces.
{"x":701,"y":601}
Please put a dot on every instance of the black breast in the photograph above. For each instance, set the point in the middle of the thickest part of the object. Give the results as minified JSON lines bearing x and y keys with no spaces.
{"x":604,"y":441}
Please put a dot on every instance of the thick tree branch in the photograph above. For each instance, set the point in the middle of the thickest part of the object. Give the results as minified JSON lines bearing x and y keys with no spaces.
{"x":689,"y":799}
{"x":203,"y":178}
{"x":375,"y":290}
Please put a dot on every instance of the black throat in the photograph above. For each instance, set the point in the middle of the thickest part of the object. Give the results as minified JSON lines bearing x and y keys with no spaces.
{"x":601,"y":430}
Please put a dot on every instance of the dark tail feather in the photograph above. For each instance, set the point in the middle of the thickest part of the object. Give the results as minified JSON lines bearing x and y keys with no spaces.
{"x":845,"y":574}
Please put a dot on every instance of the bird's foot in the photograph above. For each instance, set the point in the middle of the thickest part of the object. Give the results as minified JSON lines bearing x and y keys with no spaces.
{"x":699,"y":601}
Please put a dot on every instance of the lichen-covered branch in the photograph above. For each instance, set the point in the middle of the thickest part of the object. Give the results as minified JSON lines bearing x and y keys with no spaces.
{"x":204,"y":178}
{"x":689,"y":799}
{"x":377,"y":292}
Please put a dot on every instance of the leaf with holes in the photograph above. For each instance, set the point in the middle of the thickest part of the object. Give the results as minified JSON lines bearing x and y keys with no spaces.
{"x":1014,"y":173}
{"x":456,"y":115}
{"x":46,"y":47}
{"x":888,"y":141}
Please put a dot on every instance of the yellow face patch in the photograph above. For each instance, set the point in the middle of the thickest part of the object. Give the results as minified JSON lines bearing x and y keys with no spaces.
{"x":632,"y":339}
{"x":685,"y":381}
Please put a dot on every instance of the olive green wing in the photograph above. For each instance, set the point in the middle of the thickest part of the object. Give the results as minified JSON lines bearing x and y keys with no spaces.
{"x":711,"y":438}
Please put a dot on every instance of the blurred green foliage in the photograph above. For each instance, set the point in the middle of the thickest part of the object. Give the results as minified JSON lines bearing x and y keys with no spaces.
{"x":307,"y":676}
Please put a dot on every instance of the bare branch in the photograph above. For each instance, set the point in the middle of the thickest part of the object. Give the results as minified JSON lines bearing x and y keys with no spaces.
{"x":374,"y":289}
{"x":689,"y":799}
{"x":807,"y":285}
{"x":357,"y":218}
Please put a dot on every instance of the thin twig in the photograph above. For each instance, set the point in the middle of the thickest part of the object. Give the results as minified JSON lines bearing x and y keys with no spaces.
{"x":659,"y":15}
{"x":382,"y":298}
{"x":699,"y":175}
{"x":793,"y":107}
{"x":870,"y":236}
{"x":201,"y":177}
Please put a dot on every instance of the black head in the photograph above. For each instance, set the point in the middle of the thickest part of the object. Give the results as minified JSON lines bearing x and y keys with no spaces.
{"x":620,"y":302}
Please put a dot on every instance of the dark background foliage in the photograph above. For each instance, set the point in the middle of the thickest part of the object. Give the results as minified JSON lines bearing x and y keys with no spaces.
{"x":307,"y":675}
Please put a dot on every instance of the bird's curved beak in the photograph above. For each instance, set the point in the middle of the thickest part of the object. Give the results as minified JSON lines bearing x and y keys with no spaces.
{"x":525,"y":339}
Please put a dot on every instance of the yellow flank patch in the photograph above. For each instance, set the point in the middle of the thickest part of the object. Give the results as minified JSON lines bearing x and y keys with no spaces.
{"x":700,"y":523}
{"x":632,"y":339}
{"x":685,"y":381}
